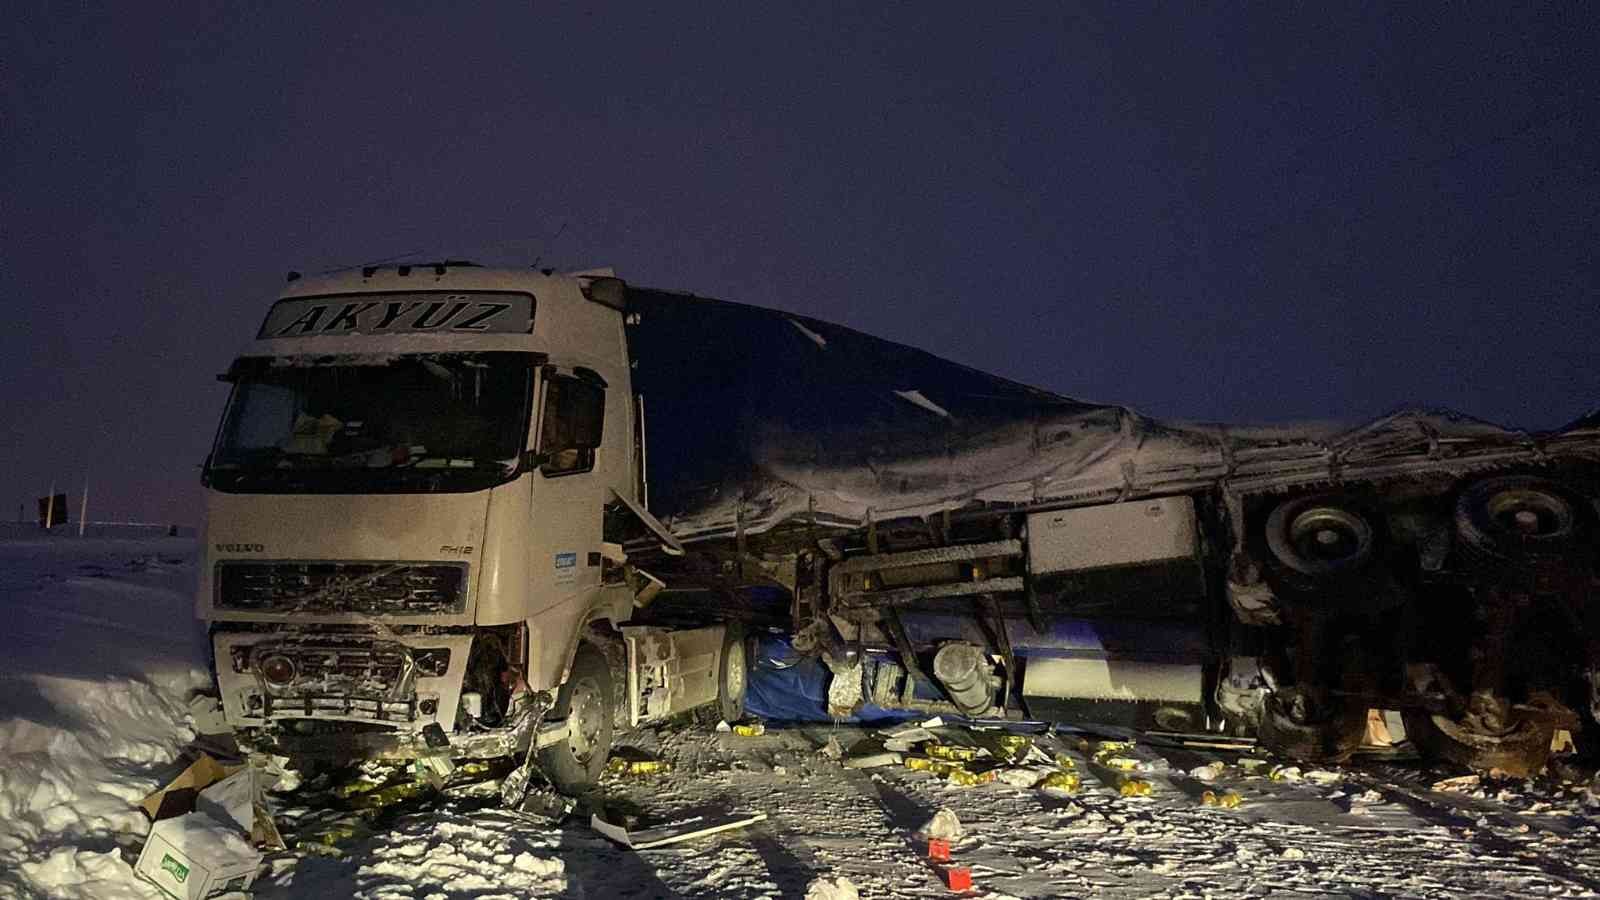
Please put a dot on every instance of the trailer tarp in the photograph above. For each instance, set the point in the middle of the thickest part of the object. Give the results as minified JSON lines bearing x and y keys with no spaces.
{"x":755,"y":417}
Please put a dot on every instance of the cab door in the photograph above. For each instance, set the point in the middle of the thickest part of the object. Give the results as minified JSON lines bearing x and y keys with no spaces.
{"x":568,"y":493}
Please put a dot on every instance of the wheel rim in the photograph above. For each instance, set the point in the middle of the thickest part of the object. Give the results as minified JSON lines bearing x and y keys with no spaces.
{"x":1320,"y":538}
{"x":735,"y":677}
{"x":1331,"y":536}
{"x":1527,"y":514}
{"x":585,"y":717}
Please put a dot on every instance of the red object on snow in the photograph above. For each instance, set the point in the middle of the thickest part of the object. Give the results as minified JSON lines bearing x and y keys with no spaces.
{"x":958,"y":878}
{"x":938,"y":850}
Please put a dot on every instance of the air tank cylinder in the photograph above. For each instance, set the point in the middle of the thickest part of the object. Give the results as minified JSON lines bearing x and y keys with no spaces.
{"x":964,"y":671}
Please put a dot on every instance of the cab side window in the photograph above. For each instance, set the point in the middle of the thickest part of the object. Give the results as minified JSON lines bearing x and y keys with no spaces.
{"x":574,"y":410}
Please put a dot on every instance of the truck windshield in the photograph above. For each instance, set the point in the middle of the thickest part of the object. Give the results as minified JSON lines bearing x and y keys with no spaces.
{"x":353,"y":423}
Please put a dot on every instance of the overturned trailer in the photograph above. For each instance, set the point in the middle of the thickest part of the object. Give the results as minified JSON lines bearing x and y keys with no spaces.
{"x":950,"y":540}
{"x":466,"y":512}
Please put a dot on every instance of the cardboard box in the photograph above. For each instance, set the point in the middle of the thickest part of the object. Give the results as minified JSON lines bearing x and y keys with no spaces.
{"x":242,"y":799}
{"x":179,"y":794}
{"x":206,"y":822}
{"x":193,"y":856}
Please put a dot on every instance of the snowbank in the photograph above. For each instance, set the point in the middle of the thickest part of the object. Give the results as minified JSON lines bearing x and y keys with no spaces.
{"x":101,"y":652}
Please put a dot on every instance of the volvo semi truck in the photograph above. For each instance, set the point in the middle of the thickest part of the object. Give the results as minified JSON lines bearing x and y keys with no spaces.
{"x":500,"y":513}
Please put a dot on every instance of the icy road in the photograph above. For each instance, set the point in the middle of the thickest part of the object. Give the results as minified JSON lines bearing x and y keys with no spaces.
{"x":99,"y":656}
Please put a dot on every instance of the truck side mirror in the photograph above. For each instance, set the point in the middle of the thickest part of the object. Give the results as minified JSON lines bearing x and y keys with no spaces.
{"x":533,"y":459}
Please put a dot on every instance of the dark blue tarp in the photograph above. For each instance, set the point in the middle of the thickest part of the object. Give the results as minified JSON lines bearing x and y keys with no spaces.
{"x":755,"y":418}
{"x":787,"y":687}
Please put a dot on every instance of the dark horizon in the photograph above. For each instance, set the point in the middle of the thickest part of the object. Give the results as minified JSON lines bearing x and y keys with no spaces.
{"x":1245,"y":216}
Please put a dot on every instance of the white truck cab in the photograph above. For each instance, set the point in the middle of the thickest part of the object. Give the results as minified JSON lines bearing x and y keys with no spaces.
{"x":407,"y":503}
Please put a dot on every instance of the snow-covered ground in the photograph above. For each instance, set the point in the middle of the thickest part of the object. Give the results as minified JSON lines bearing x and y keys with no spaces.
{"x":100,"y":656}
{"x":99,"y":650}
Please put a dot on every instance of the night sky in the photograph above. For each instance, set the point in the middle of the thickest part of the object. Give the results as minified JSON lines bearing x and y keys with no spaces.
{"x":1303,"y":211}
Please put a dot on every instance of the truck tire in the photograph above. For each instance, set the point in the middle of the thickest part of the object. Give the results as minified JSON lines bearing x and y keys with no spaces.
{"x":1521,"y":752}
{"x":1328,"y":546}
{"x":733,"y":675}
{"x":1518,"y":520}
{"x":1332,"y":739}
{"x":575,"y":764}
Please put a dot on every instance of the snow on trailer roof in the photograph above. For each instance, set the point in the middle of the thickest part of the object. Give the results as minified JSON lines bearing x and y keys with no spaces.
{"x":756,"y":417}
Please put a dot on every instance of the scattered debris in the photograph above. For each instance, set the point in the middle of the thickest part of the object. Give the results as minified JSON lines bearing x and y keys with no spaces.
{"x":673,"y":832}
{"x":944,"y":826}
{"x":951,"y":754}
{"x":179,"y":794}
{"x":1117,"y":756}
{"x":1134,"y":787}
{"x":1024,"y":776}
{"x":209,"y":822}
{"x":546,"y":805}
{"x":1211,"y":771}
{"x":832,"y":749}
{"x":1458,"y":784}
{"x":1561,"y":742}
{"x":958,"y":878}
{"x":754,"y":729}
{"x":1061,"y":783}
{"x":1226,"y":799}
{"x":825,"y":888}
{"x":206,"y":713}
{"x":619,"y":766}
{"x":193,"y":856}
{"x":874,"y":761}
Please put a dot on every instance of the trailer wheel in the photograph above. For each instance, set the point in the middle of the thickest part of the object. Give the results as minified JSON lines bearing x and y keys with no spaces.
{"x":1322,"y":538}
{"x":1330,"y":739}
{"x":575,"y":764}
{"x":1520,"y":752}
{"x":734,"y":675}
{"x":1518,"y":519}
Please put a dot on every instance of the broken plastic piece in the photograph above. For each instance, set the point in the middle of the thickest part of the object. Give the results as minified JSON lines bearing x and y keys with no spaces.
{"x":672,"y":832}
{"x":938,"y":850}
{"x":754,"y":729}
{"x":958,"y":878}
{"x":873,"y":761}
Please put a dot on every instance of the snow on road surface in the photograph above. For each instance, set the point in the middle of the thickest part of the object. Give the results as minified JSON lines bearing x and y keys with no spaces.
{"x":100,"y":656}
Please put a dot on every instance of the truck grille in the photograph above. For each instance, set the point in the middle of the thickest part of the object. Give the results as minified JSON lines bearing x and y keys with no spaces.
{"x":379,"y":589}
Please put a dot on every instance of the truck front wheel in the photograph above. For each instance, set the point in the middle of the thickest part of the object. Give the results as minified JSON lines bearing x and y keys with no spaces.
{"x":574,"y":764}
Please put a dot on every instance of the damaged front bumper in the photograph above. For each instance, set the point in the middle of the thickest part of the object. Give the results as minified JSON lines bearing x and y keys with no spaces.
{"x":348,"y":745}
{"x":400,"y":681}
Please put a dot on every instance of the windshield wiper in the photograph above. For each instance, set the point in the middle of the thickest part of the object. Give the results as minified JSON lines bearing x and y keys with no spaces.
{"x":446,"y":461}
